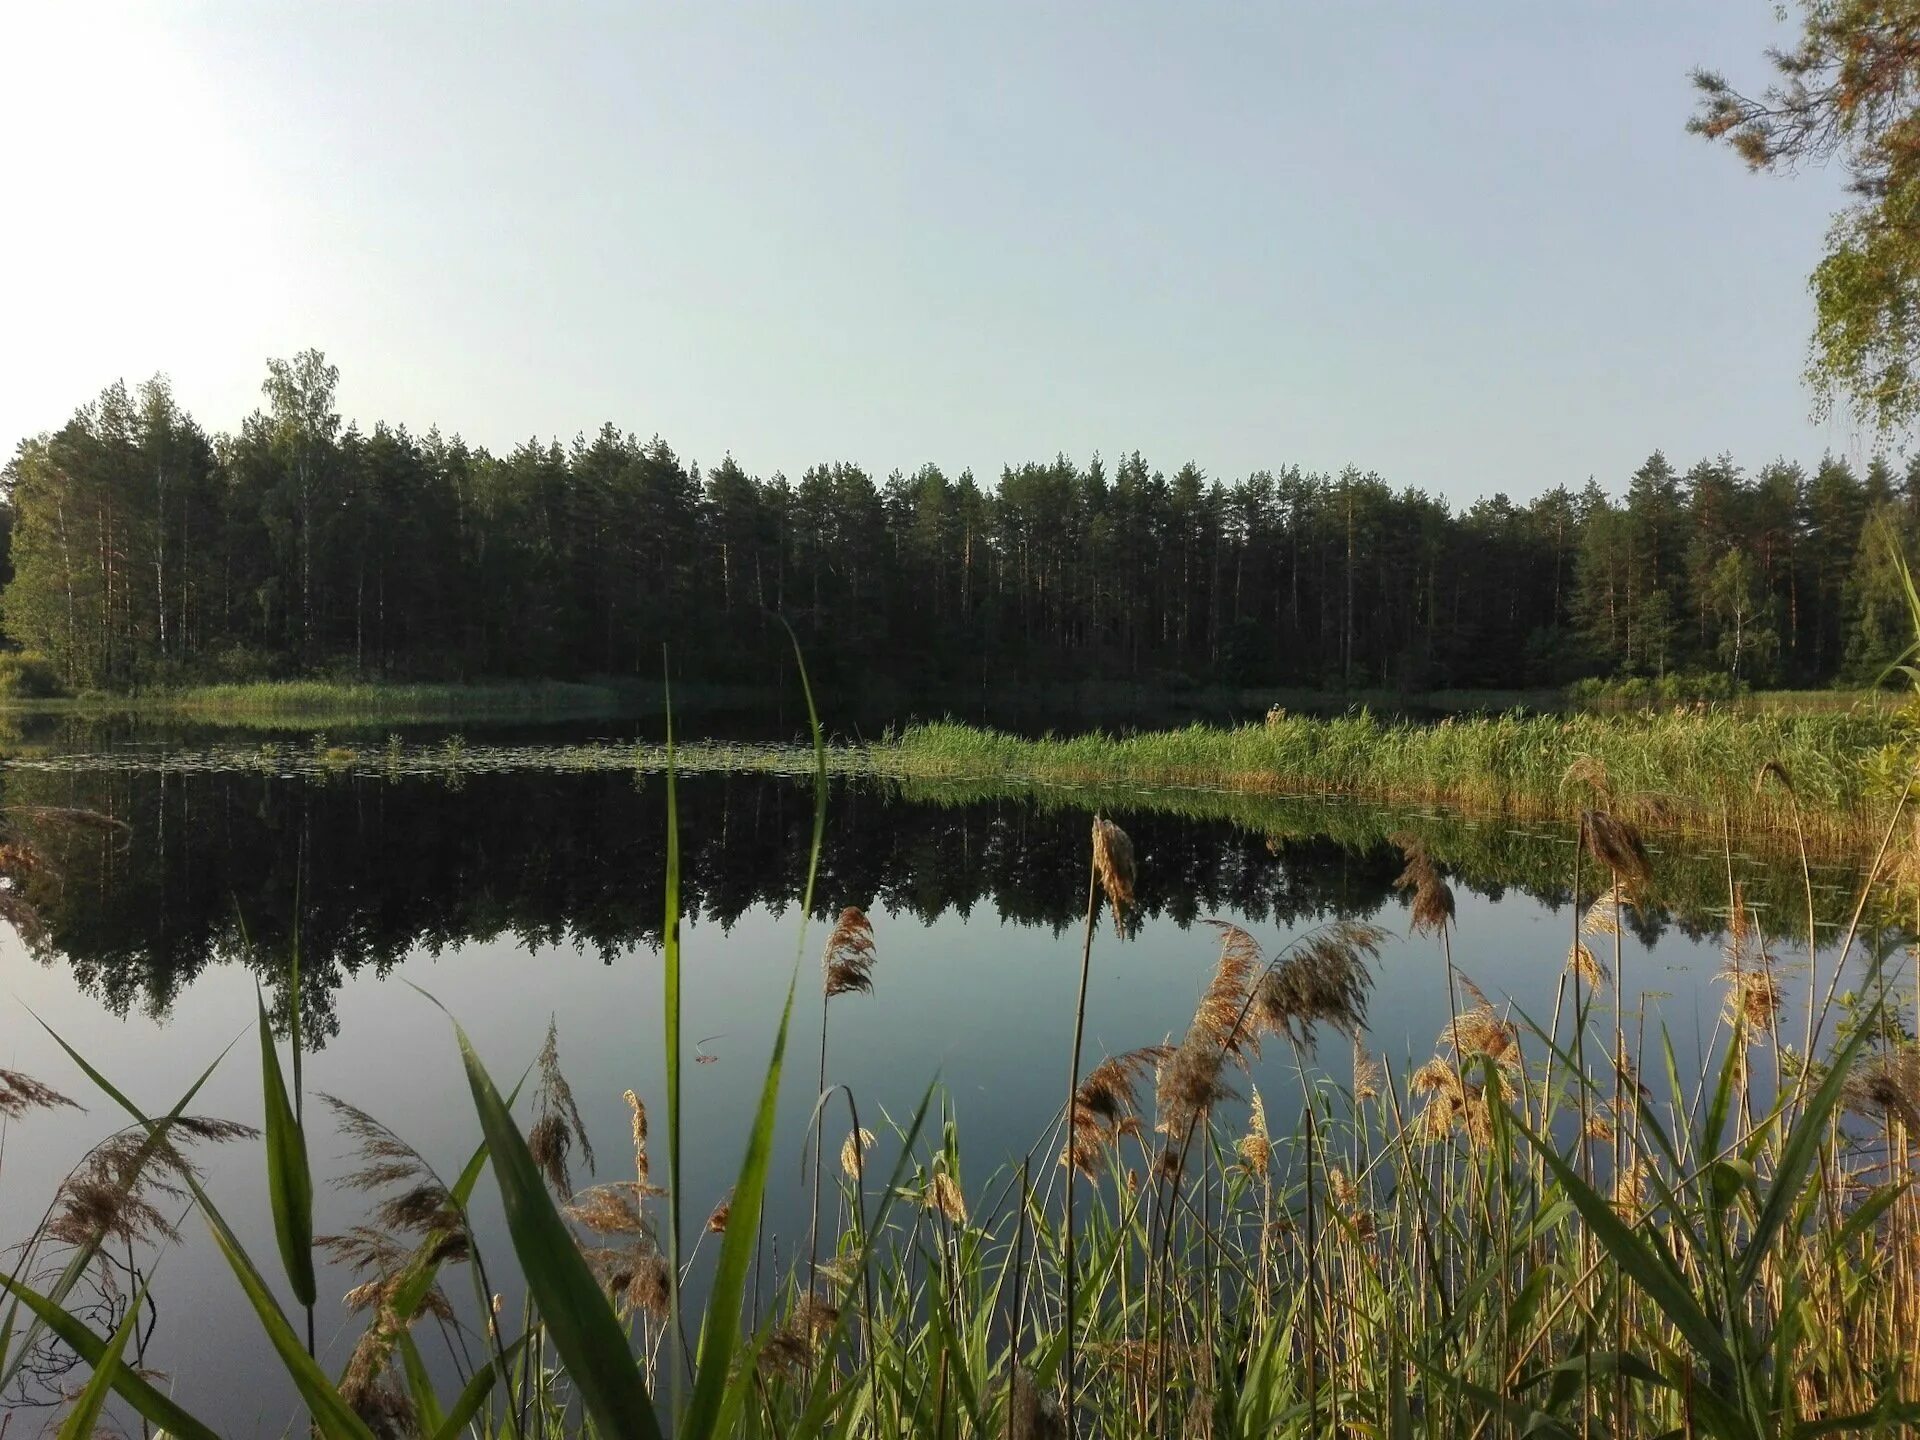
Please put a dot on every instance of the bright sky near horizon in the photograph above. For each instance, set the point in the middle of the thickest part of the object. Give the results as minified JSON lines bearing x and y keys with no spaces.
{"x":1468,"y":246}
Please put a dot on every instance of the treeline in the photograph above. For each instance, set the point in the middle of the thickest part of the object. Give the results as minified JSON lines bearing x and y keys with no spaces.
{"x":145,"y":551}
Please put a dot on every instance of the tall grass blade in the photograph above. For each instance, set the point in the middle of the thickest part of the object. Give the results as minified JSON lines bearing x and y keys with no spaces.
{"x":289,"y":1179}
{"x":1636,"y":1258}
{"x":1797,"y":1153}
{"x":474,"y":1394}
{"x":589,"y":1340}
{"x":85,"y":1414}
{"x":670,"y":958}
{"x":150,"y":1404}
{"x":719,"y":1336}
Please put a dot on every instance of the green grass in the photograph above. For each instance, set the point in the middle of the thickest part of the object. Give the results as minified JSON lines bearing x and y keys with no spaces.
{"x":276,"y":703}
{"x":1677,"y":769}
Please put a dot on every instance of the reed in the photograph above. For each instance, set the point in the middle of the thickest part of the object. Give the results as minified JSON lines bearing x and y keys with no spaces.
{"x":1677,"y":770}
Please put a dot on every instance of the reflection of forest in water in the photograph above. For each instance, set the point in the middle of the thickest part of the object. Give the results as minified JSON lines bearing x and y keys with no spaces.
{"x":384,"y":867}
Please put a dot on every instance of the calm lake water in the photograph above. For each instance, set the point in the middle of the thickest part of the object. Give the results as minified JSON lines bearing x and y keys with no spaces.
{"x":513,"y":898}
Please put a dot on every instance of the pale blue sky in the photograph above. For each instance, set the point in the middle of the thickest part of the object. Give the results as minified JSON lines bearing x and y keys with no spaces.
{"x":1468,"y":245}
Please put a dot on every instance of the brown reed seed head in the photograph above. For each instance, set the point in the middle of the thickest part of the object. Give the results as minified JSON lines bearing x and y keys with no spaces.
{"x":1325,"y":979}
{"x":1754,"y":996}
{"x":1255,"y":1148}
{"x":1888,"y":1086}
{"x":1775,"y":771}
{"x":1452,"y":1103}
{"x":1368,"y":1077}
{"x":1616,"y":846}
{"x":1589,"y":773}
{"x":717,"y":1221}
{"x":20,"y":1093}
{"x":1110,"y":1092}
{"x":853,"y":1153}
{"x":611,"y":1209}
{"x":1432,"y":896}
{"x":1582,"y":962}
{"x":847,"y":962}
{"x":371,"y":1389}
{"x":1224,"y":1014}
{"x":1113,"y":868}
{"x":557,"y":1126}
{"x":636,"y":1276}
{"x":112,"y":1193}
{"x":1189,"y":1086}
{"x":1630,"y":1191}
{"x":943,"y":1194}
{"x":642,"y":1167}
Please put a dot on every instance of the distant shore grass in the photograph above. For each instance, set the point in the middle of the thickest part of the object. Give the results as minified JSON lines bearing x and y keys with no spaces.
{"x":279,"y":702}
{"x":1685,"y":770}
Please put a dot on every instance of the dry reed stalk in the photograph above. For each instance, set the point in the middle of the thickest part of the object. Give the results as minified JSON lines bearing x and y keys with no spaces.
{"x":1110,"y":868}
{"x":846,"y":967}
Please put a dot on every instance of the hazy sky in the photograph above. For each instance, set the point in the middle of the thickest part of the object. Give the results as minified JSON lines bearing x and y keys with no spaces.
{"x":1468,"y":245}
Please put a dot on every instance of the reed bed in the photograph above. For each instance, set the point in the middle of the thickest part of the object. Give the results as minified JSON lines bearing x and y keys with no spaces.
{"x":1686,"y":769}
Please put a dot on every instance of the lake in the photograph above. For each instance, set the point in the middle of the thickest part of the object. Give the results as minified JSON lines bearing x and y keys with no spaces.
{"x":519,"y":896}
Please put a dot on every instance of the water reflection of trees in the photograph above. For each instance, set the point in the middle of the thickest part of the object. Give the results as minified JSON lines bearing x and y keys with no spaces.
{"x":384,"y":868}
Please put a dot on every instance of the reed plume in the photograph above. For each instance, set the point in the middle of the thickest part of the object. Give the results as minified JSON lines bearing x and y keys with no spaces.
{"x":1581,"y":961}
{"x":1431,"y":895}
{"x":642,"y":1166}
{"x":847,"y":962}
{"x":1888,"y":1085}
{"x":112,"y":1193}
{"x":853,"y":1151}
{"x":1616,"y":846}
{"x":1589,"y":773}
{"x":1452,"y":1102}
{"x":791,"y":1346}
{"x":1255,"y":1148}
{"x":20,"y":1093}
{"x":1753,"y":998}
{"x":1113,"y":866}
{"x":635,"y":1275}
{"x":614,"y":1208}
{"x":1221,"y":1016}
{"x":1105,"y":1107}
{"x":1325,"y":978}
{"x":372,"y":1390}
{"x":557,"y":1126}
{"x":846,"y":966}
{"x":943,"y":1194}
{"x":1368,"y":1077}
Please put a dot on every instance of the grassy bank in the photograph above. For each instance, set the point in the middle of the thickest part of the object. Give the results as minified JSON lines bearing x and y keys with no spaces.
{"x":1687,"y":770}
{"x":279,"y":703}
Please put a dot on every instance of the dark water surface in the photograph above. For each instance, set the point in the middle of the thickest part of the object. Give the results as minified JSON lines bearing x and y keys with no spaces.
{"x":516,"y":898}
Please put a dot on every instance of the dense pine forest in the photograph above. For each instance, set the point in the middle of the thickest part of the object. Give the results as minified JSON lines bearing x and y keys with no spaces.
{"x":142,"y":550}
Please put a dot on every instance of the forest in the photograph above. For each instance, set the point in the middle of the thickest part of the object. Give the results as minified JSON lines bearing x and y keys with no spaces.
{"x":143,"y":551}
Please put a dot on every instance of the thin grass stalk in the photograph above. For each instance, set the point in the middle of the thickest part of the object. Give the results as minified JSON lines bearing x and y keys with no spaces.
{"x":1073,"y":1087}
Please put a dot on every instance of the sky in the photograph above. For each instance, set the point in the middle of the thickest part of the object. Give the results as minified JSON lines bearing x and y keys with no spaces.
{"x":1468,"y":246}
